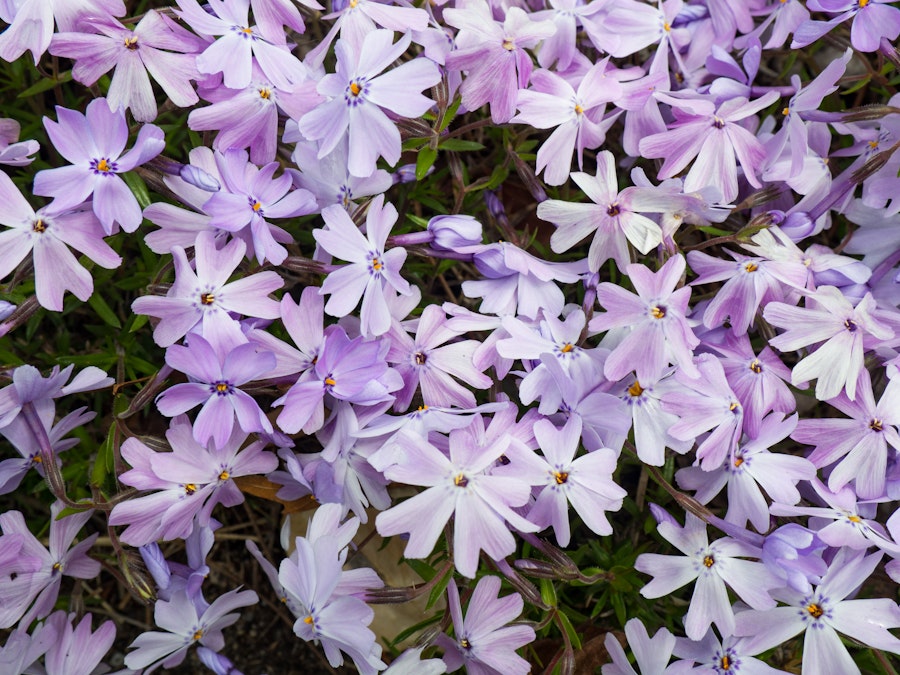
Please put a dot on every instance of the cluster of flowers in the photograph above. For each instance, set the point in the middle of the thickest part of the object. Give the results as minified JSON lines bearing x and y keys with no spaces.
{"x":399,"y":388}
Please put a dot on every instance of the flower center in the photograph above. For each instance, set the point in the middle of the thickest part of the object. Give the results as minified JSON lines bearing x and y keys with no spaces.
{"x":38,"y":226}
{"x":854,"y":519}
{"x":190,"y":488}
{"x":57,"y":566}
{"x":265,"y":93}
{"x":756,"y":366}
{"x":197,"y":635}
{"x":876,"y":424}
{"x":708,"y":561}
{"x":863,"y":3}
{"x":735,"y":407}
{"x":222,"y":387}
{"x":613,"y":210}
{"x":786,"y":111}
{"x":815,"y":610}
{"x":725,"y":662}
{"x":579,"y":110}
{"x":103,"y":166}
{"x":508,"y":44}
{"x":658,"y":312}
{"x":718,"y":123}
{"x":566,"y":348}
{"x":460,"y":480}
{"x":207,"y":298}
{"x":751,"y":267}
{"x":850,"y":325}
{"x":667,"y":26}
{"x":308,"y":620}
{"x":738,"y":460}
{"x":635,"y":389}
{"x":355,"y":88}
{"x":330,"y":381}
{"x":560,"y":477}
{"x":131,"y":43}
{"x":224,"y":475}
{"x":420,"y":358}
{"x":465,"y":644}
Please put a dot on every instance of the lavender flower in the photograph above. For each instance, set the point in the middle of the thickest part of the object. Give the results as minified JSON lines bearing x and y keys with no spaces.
{"x":483,"y":643}
{"x":94,"y":144}
{"x":372,"y":269}
{"x":217,"y":379}
{"x":11,"y":152}
{"x":77,"y":650}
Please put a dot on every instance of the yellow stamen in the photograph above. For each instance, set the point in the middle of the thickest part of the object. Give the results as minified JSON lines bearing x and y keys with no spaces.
{"x":330,"y":381}
{"x":738,"y":461}
{"x":579,"y":110}
{"x":423,"y":407}
{"x":131,"y":43}
{"x":37,"y":459}
{"x":353,"y":3}
{"x":190,"y":488}
{"x":756,"y":366}
{"x":657,"y":312}
{"x":566,"y":348}
{"x":257,"y":206}
{"x":854,"y":519}
{"x":751,"y":267}
{"x":265,"y":93}
{"x":221,"y":387}
{"x":207,"y":298}
{"x":308,"y":620}
{"x":786,"y":112}
{"x":863,"y":3}
{"x":420,"y":359}
{"x":376,"y":265}
{"x":103,"y":166}
{"x":224,"y":475}
{"x":708,"y":561}
{"x":561,"y":477}
{"x":636,"y":389}
{"x":876,"y":424}
{"x":38,"y":226}
{"x":355,"y":88}
{"x":726,"y":662}
{"x":815,"y":610}
{"x":667,"y":27}
{"x":247,"y":31}
{"x":873,"y":145}
{"x":734,"y":406}
{"x":198,"y":635}
{"x":508,"y":44}
{"x":460,"y":480}
{"x":465,"y":644}
{"x":57,"y":566}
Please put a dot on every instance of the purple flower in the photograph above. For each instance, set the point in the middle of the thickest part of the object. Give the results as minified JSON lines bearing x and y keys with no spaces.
{"x":712,"y":565}
{"x":822,"y":614}
{"x":706,"y":403}
{"x":12,"y":153}
{"x":660,"y":334}
{"x":203,"y":297}
{"x":482,"y":642}
{"x":62,"y":559}
{"x":184,"y":627}
{"x":650,"y":422}
{"x":422,"y":362}
{"x":794,"y":554}
{"x":612,"y":218}
{"x":157,"y":44}
{"x":47,"y":235}
{"x":831,"y":319}
{"x":348,"y":370}
{"x":857,"y":447}
{"x":458,"y":486}
{"x":31,"y":22}
{"x":748,"y":470}
{"x":651,"y":655}
{"x":576,"y":116}
{"x":29,"y":387}
{"x":359,"y":96}
{"x":79,"y":650}
{"x":216,"y":381}
{"x":712,"y":134}
{"x":94,"y":143}
{"x":187,"y":482}
{"x":872,"y":21}
{"x":234,"y":53}
{"x":585,"y":482}
{"x":250,"y":197}
{"x":493,"y":55}
{"x":371,"y":271}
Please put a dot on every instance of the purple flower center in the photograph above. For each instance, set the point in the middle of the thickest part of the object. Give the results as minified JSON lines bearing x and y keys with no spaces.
{"x":131,"y":43}
{"x":221,"y":388}
{"x":726,"y":661}
{"x":103,"y":166}
{"x":345,"y":195}
{"x":756,"y":366}
{"x":613,"y":210}
{"x":356,"y":91}
{"x":813,"y":609}
{"x":256,"y":206}
{"x":420,"y":358}
{"x":375,"y":264}
{"x":658,"y":312}
{"x":38,"y":226}
{"x":244,"y":32}
{"x":850,"y":325}
{"x":718,"y":123}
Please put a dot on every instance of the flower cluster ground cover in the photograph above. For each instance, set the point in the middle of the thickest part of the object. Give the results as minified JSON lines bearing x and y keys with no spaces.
{"x":591,"y":307}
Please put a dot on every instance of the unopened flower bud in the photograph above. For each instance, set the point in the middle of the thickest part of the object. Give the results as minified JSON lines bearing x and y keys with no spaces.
{"x":199,"y":178}
{"x":452,"y":232}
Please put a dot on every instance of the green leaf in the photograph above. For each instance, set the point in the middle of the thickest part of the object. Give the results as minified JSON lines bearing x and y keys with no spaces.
{"x":103,"y":465}
{"x":451,"y":113}
{"x":459,"y":145}
{"x":424,"y":570}
{"x":438,"y":591}
{"x":104,"y":311}
{"x":46,"y":85}
{"x":138,"y":187}
{"x":618,"y":604}
{"x":548,"y":593}
{"x":859,"y":85}
{"x":570,"y":630}
{"x":71,"y":510}
{"x":412,"y":630}
{"x":424,"y":161}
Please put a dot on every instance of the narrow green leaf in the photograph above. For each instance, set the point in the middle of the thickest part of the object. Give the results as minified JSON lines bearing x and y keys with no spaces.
{"x":618,"y":604}
{"x":451,"y":113}
{"x":103,"y":465}
{"x":438,"y":590}
{"x":570,"y":630}
{"x":138,"y":187}
{"x":424,"y":161}
{"x":460,"y":145}
{"x":46,"y":85}
{"x":424,"y":570}
{"x":548,"y":593}
{"x":104,"y":311}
